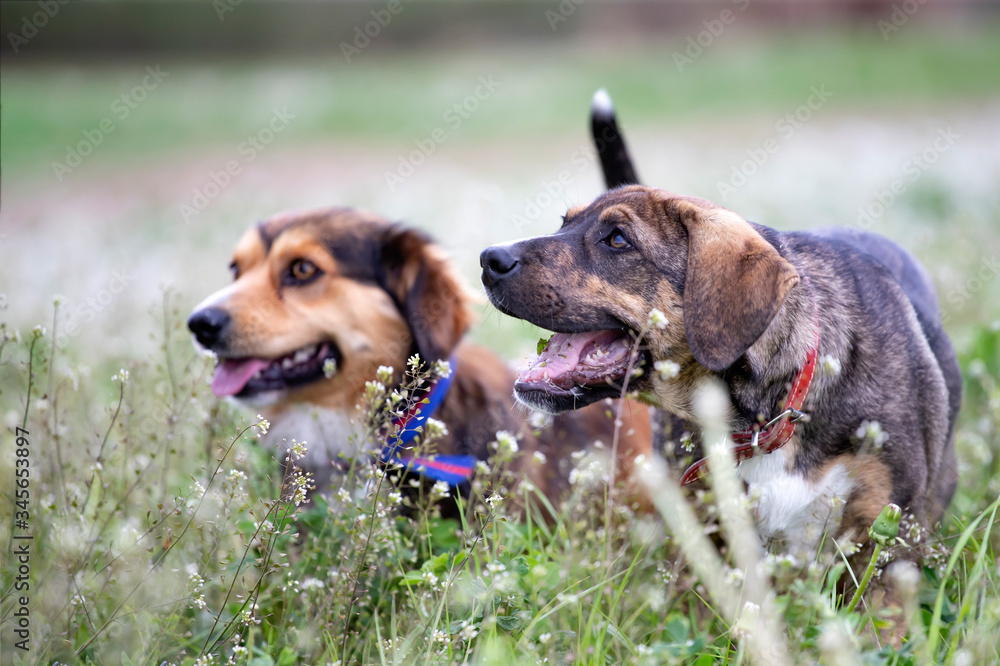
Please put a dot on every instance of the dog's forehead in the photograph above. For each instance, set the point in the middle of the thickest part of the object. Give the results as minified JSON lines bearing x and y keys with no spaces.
{"x":351,"y":237}
{"x":250,"y":249}
{"x":636,"y":202}
{"x":327,"y":223}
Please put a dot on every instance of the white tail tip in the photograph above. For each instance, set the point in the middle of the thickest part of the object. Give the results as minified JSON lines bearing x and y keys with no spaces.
{"x":601,"y":105}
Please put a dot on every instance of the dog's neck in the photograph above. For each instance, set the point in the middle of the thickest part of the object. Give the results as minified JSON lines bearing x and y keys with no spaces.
{"x":760,"y":380}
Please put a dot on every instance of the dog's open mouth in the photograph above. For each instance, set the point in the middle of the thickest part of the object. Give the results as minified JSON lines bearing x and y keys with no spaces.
{"x":245,"y":377}
{"x":575,"y":369}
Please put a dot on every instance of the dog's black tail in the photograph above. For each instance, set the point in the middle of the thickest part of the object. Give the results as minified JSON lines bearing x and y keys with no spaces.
{"x":615,"y":160}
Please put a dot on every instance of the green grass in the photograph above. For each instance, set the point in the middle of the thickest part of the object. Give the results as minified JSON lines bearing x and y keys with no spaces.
{"x":182,"y":541}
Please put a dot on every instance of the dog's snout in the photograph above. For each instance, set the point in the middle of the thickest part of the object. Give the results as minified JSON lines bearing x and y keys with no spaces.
{"x":208,"y":326}
{"x":497,"y":261}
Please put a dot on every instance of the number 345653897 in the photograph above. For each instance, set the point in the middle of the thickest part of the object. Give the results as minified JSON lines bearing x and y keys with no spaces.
{"x":22,"y":466}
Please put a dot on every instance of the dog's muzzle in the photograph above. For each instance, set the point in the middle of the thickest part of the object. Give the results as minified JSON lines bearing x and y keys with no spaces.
{"x":497,"y":263}
{"x":209,"y":326}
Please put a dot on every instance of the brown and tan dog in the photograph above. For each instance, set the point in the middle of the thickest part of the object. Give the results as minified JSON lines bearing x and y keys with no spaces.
{"x":758,"y":309}
{"x":322,"y":298}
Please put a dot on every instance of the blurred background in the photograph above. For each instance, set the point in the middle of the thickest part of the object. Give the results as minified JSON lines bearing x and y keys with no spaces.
{"x":140,"y":139}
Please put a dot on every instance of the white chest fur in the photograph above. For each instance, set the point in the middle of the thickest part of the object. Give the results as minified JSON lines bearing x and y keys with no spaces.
{"x":790,"y":509}
{"x":326,"y":433}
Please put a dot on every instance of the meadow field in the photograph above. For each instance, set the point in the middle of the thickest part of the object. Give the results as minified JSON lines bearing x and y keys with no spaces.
{"x":162,"y":529}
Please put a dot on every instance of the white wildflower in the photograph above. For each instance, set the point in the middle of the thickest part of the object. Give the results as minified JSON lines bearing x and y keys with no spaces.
{"x":871,"y":432}
{"x":235,"y":476}
{"x":439,"y":491}
{"x":468,"y":631}
{"x":120,"y":376}
{"x":667,"y":369}
{"x":262,"y":424}
{"x":442,"y":369}
{"x":297,"y":451}
{"x":830,"y":365}
{"x":734,"y":576}
{"x":505,"y":443}
{"x":384,"y":373}
{"x":329,"y":368}
{"x":434,"y":429}
{"x":494,"y":500}
{"x":539,"y":457}
{"x":312,"y":584}
{"x":538,"y":420}
{"x":687,"y":443}
{"x":657,"y":319}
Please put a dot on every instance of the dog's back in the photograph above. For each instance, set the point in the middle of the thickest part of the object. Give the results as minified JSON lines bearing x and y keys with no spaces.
{"x":918,"y":286}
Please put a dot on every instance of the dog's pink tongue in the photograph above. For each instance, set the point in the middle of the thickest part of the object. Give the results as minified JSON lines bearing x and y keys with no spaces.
{"x":572,"y":357}
{"x":232,"y":376}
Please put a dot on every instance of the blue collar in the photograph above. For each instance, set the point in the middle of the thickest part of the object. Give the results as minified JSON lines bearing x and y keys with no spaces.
{"x":453,"y":470}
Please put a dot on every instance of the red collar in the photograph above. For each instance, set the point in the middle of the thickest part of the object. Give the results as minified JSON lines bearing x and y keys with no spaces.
{"x":778,"y":430}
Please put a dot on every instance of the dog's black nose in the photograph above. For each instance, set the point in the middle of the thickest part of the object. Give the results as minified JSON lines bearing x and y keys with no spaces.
{"x":497,"y":261}
{"x":208,"y":325}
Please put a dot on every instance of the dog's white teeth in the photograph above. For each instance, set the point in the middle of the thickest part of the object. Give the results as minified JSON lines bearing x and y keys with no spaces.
{"x":286,"y":363}
{"x":303,"y":355}
{"x":256,"y":375}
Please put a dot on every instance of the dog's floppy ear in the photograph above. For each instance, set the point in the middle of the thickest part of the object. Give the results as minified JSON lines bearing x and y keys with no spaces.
{"x":735,"y":283}
{"x":431,"y":298}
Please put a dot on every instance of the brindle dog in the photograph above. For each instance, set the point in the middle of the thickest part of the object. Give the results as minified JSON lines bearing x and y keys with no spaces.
{"x":750,"y":305}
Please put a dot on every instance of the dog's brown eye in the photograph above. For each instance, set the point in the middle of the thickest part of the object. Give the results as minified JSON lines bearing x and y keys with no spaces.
{"x":617,"y":240}
{"x":302,"y":270}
